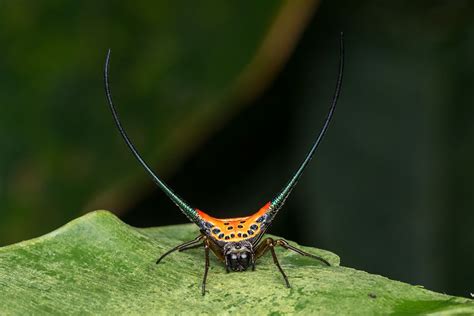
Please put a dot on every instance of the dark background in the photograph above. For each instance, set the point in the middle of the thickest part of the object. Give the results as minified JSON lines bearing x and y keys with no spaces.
{"x":391,"y":188}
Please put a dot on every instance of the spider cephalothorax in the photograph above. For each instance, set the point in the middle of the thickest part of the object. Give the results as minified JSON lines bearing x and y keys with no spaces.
{"x":239,"y":255}
{"x":237,"y":242}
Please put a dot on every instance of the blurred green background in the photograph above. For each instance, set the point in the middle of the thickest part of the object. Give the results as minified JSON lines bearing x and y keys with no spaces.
{"x":224,"y":99}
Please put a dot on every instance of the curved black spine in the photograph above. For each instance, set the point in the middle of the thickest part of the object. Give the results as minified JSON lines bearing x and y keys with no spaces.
{"x":280,"y":199}
{"x":190,"y":212}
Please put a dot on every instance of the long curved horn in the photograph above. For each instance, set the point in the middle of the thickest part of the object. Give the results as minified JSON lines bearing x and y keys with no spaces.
{"x":190,"y":212}
{"x":280,"y":199}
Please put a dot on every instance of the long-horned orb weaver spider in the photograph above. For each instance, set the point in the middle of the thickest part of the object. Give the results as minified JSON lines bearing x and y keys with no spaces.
{"x":237,"y":242}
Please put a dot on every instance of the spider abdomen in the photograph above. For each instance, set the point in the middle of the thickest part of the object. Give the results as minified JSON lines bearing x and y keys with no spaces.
{"x":234,"y":229}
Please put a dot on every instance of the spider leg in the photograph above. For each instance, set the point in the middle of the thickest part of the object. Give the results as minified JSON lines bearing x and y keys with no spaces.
{"x":253,"y":261}
{"x":190,"y":247}
{"x":183,"y":245}
{"x":269,"y":244}
{"x":275,"y":260}
{"x":287,"y":246}
{"x":206,"y":268}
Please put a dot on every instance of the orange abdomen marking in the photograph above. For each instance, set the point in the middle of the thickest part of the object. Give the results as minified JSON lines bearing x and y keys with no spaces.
{"x":235,"y":229}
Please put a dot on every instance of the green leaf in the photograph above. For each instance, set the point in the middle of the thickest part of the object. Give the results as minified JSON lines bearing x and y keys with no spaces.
{"x":97,"y":264}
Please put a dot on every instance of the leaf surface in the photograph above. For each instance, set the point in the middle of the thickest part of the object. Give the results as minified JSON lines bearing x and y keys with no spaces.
{"x":96,"y":264}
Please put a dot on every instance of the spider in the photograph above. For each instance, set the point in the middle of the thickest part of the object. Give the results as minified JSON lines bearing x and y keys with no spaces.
{"x":237,"y":242}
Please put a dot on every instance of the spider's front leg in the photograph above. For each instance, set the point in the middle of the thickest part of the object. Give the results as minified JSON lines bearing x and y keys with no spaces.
{"x":269,"y":244}
{"x":199,"y":241}
{"x":283,"y":243}
{"x":206,"y":267}
{"x":196,"y":242}
{"x":263,"y":247}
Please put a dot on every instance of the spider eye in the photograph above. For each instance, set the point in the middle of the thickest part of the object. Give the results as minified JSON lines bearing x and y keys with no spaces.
{"x":233,"y":256}
{"x":243,"y":256}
